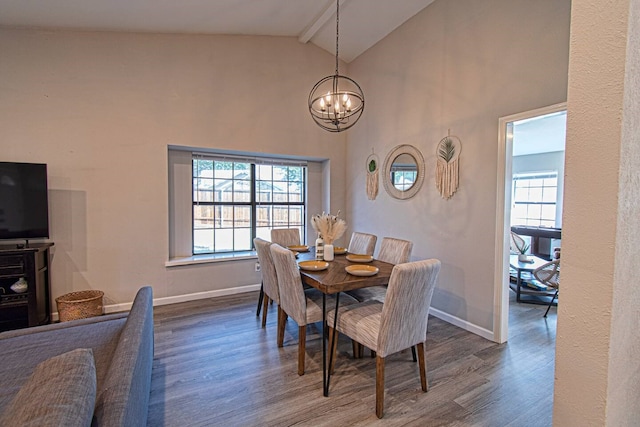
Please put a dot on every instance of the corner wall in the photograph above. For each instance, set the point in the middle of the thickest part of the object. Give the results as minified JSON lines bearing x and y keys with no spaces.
{"x":101,"y":109}
{"x":458,"y":65}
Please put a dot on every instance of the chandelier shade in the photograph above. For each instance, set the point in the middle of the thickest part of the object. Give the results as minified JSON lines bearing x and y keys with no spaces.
{"x":336,"y":102}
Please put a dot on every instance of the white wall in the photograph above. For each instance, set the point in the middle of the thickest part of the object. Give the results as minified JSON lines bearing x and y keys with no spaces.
{"x":458,"y":65}
{"x":101,"y":109}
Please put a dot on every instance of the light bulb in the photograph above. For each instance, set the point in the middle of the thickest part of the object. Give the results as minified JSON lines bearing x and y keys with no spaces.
{"x":322,"y":107}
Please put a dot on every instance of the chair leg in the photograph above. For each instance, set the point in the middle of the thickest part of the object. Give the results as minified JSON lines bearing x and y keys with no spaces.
{"x":354,"y":346}
{"x":379,"y":386}
{"x":265,"y":310}
{"x":282,"y":320}
{"x":551,"y":303}
{"x":413,"y":353}
{"x":302,"y":339}
{"x":423,"y":367}
{"x":260,"y":297}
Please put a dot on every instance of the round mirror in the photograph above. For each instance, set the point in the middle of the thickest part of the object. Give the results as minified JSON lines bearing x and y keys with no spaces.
{"x":403,"y":172}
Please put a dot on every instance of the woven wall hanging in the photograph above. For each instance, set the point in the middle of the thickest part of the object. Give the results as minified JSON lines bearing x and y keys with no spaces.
{"x":448,"y":154}
{"x":373,"y":167}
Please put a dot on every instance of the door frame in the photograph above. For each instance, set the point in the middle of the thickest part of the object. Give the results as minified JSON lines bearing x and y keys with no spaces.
{"x":503,"y":211}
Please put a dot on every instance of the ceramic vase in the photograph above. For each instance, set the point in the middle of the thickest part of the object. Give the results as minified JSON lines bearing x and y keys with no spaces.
{"x":328,"y":252}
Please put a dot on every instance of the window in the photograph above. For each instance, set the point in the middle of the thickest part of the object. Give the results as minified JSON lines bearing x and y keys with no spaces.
{"x":235,"y":200}
{"x":534,"y":199}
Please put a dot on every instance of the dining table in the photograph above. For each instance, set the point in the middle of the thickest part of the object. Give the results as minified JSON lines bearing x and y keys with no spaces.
{"x":332,"y":281}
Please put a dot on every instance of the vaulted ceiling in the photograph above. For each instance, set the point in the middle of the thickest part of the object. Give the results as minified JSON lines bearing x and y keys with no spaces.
{"x":362,"y":22}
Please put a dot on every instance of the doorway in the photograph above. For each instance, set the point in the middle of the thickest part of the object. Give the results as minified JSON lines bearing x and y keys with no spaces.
{"x":522,"y":134}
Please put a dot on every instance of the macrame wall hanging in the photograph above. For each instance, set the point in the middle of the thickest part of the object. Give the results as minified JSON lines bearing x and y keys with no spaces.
{"x":447,"y":153}
{"x":373,"y":166}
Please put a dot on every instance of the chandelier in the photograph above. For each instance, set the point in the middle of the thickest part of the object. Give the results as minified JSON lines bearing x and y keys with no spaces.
{"x":336,"y":102}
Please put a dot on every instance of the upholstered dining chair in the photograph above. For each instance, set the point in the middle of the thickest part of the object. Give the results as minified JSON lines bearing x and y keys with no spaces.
{"x":393,"y":251}
{"x":362,"y":243}
{"x":397,"y":324}
{"x":549,"y":275}
{"x":269,"y":277}
{"x":285,"y":236}
{"x":304,"y":306}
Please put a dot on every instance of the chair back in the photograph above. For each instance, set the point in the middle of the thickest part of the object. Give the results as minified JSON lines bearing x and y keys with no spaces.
{"x":362,"y":243}
{"x":267,"y":268}
{"x":518,"y":244}
{"x":292,"y":298}
{"x":285,"y":236}
{"x":549,"y":273}
{"x":395,"y":251}
{"x":405,"y":312}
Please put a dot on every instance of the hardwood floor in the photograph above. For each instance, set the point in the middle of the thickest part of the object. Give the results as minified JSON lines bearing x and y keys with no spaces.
{"x":215,"y":366}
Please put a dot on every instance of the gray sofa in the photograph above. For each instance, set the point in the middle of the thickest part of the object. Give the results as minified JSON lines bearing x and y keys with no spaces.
{"x":55,"y":374}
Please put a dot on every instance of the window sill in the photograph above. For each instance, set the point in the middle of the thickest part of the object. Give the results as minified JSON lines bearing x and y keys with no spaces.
{"x":209,"y":258}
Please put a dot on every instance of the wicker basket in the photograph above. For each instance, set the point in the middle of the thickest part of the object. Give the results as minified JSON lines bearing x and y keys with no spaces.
{"x":79,"y":305}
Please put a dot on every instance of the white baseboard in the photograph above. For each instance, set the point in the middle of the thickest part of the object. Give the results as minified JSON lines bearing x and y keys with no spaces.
{"x":456,"y":321}
{"x":114,"y":308}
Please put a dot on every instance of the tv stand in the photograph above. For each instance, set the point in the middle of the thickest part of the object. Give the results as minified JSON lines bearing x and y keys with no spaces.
{"x":33,"y":307}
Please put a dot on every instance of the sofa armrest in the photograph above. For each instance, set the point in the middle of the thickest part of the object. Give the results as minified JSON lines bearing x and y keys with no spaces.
{"x":124,"y":398}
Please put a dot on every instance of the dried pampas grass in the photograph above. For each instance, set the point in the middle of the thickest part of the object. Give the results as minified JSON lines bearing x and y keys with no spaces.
{"x":329,"y":227}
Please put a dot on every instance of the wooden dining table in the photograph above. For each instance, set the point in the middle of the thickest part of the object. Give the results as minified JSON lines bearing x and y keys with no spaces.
{"x":332,"y":281}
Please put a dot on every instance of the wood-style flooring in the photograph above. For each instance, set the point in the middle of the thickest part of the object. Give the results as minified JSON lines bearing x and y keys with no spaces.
{"x":215,"y":365}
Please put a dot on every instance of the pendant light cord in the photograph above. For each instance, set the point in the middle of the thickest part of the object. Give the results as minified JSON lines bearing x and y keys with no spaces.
{"x":337,"y":31}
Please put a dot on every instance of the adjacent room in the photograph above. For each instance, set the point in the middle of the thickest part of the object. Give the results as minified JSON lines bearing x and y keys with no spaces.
{"x":301,"y":213}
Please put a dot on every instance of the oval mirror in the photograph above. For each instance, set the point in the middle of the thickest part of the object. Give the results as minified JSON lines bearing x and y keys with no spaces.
{"x":403,"y":172}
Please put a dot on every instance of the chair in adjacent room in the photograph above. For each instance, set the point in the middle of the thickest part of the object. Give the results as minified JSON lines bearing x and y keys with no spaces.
{"x":304,"y":306}
{"x":393,"y":251}
{"x":362,"y":243}
{"x":285,"y":236}
{"x":549,"y":275}
{"x":269,"y":277}
{"x":397,"y":324}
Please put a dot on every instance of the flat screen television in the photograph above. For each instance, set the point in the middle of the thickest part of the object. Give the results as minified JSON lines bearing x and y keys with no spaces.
{"x":24,"y":204}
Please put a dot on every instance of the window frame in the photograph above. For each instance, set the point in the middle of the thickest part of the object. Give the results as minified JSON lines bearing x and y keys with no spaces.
{"x":253,"y":202}
{"x":529,"y":176}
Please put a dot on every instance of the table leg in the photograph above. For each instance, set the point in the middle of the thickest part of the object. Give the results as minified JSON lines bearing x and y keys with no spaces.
{"x":260,"y":297}
{"x":333,"y":341}
{"x":518,"y":283}
{"x":325,"y":387}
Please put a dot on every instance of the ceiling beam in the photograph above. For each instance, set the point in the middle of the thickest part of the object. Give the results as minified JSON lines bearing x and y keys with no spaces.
{"x":315,"y":26}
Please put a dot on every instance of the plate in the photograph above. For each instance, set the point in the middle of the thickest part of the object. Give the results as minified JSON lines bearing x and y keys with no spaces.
{"x":313,"y":265}
{"x":359,"y":258}
{"x":337,"y":250}
{"x":299,"y":248}
{"x":362,"y":270}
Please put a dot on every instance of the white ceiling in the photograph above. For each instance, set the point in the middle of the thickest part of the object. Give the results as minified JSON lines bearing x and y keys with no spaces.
{"x":362,"y":22}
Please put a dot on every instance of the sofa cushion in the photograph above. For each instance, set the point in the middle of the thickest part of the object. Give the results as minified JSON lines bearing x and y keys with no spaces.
{"x":61,"y":391}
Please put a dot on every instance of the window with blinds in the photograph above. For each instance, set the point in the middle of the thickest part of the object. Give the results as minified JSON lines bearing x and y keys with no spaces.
{"x":236,"y":199}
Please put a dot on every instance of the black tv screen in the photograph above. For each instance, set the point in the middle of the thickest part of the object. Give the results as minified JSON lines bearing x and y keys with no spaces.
{"x":24,"y":205}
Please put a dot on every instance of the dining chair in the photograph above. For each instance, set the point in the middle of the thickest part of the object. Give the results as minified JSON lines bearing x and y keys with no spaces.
{"x":362,"y":243}
{"x":285,"y":236}
{"x":549,"y":275}
{"x":303,"y":306}
{"x":393,"y":251}
{"x":269,"y":277}
{"x":398,"y":323}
